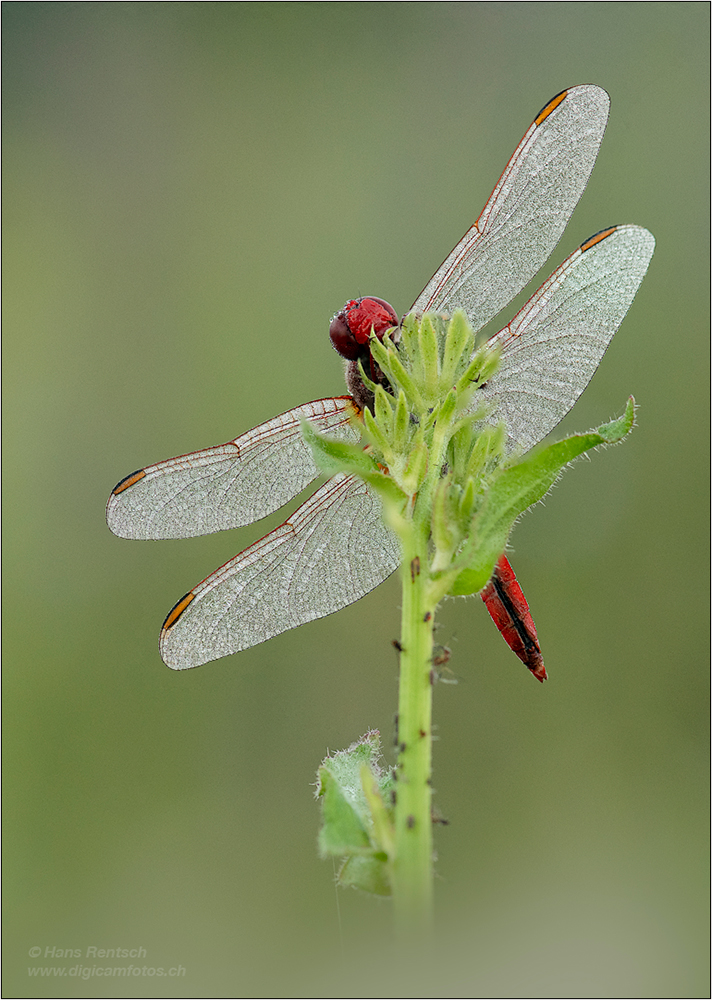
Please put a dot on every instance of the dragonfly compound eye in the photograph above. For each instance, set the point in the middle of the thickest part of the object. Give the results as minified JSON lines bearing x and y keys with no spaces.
{"x":342,"y":339}
{"x":351,"y":327}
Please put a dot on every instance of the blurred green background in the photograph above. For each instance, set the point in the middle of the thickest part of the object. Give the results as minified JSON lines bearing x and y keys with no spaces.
{"x":191,"y":190}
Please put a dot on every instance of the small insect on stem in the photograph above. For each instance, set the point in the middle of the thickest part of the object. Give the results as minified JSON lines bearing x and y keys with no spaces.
{"x":415,"y":568}
{"x":440,"y":658}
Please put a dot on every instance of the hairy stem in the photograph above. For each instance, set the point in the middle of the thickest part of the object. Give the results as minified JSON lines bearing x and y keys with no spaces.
{"x":413,"y":855}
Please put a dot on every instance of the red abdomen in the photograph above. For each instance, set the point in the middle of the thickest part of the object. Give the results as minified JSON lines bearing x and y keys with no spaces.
{"x":510,"y":612}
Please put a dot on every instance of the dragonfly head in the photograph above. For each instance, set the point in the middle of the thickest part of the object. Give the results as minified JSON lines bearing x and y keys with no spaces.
{"x":351,"y":326}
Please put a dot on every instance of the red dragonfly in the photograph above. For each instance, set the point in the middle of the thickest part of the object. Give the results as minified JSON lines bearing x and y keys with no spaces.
{"x":335,"y":548}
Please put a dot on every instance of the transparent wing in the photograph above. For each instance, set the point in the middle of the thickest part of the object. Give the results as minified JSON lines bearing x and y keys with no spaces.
{"x":555,"y":343}
{"x":331,"y":552}
{"x":230,"y":485}
{"x":527,"y":212}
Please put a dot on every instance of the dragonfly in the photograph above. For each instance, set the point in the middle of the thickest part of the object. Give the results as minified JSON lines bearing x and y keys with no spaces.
{"x":335,"y":548}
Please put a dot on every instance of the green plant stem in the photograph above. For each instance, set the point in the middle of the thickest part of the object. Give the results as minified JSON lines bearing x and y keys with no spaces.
{"x":413,"y":854}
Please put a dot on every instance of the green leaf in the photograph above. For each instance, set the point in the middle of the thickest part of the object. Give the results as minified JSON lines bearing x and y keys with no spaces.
{"x":488,"y":449}
{"x":388,"y":490}
{"x":347,"y":819}
{"x":401,"y":423}
{"x":459,"y":342}
{"x":369,"y":873}
{"x":516,"y":489}
{"x":371,"y":386}
{"x":342,"y":832}
{"x":446,"y":411}
{"x":337,"y":456}
{"x":383,"y":832}
{"x":408,"y":342}
{"x":389,"y":363}
{"x":616,"y":430}
{"x":482,"y":367}
{"x":416,"y":466}
{"x":428,"y":356}
{"x":444,"y":526}
{"x":377,"y":436}
{"x":383,"y":409}
{"x":467,"y":502}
